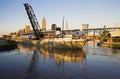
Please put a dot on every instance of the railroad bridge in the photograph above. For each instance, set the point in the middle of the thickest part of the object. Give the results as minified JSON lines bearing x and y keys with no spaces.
{"x":84,"y":32}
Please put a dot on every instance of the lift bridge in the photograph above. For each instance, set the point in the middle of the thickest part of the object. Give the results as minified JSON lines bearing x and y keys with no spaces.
{"x":33,"y":21}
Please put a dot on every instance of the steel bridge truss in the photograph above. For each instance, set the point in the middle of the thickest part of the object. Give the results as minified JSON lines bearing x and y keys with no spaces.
{"x":33,"y":21}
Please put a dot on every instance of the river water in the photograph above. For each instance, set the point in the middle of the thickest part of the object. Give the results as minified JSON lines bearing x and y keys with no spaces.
{"x":93,"y":62}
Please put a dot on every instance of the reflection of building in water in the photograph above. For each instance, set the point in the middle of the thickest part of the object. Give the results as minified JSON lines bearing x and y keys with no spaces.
{"x":65,"y":55}
{"x":69,"y":56}
{"x":27,"y":49}
{"x":44,"y":54}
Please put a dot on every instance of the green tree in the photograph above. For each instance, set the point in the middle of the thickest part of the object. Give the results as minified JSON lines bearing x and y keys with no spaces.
{"x":105,"y":35}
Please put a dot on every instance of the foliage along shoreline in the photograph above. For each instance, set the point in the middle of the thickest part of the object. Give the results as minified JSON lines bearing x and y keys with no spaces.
{"x":8,"y":46}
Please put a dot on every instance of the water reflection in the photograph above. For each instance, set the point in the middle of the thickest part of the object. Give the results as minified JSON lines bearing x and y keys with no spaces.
{"x":61,"y":56}
{"x":26,"y":49}
{"x":32,"y":64}
{"x":92,"y":48}
{"x":28,"y":62}
{"x":58,"y":55}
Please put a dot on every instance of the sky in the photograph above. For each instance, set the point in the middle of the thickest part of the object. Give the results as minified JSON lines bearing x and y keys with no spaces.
{"x":96,"y":13}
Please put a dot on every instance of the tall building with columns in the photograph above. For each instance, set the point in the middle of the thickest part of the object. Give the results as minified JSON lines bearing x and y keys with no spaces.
{"x":43,"y":23}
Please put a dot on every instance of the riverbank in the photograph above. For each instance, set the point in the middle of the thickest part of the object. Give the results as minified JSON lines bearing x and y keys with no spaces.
{"x":115,"y":45}
{"x":7,"y":45}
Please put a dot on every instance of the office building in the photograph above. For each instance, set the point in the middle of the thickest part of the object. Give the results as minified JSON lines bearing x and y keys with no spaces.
{"x":54,"y":26}
{"x":27,"y":28}
{"x":43,"y":23}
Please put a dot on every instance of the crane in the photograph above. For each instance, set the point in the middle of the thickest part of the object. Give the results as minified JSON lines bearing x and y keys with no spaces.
{"x":33,"y":21}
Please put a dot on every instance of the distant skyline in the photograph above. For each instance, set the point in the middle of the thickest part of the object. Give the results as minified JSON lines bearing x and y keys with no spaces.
{"x":96,"y":13}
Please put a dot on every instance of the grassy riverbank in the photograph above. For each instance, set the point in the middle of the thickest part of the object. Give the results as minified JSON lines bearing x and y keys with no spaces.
{"x":116,"y":46}
{"x":7,"y":45}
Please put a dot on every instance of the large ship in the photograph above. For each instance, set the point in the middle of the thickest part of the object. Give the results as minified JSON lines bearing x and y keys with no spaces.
{"x":63,"y":43}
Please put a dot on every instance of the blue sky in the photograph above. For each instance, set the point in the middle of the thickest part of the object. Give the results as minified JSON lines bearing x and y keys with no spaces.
{"x":96,"y":13}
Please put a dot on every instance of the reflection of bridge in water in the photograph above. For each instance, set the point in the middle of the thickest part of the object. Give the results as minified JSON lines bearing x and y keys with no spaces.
{"x":59,"y":57}
{"x":70,"y":56}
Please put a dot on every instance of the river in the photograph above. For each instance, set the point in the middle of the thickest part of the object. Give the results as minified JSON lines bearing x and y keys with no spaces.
{"x":93,"y":62}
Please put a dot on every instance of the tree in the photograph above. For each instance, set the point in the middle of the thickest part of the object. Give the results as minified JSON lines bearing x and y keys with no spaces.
{"x":105,"y":35}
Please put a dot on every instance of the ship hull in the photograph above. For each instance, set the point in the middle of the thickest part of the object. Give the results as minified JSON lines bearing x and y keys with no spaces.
{"x":61,"y":43}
